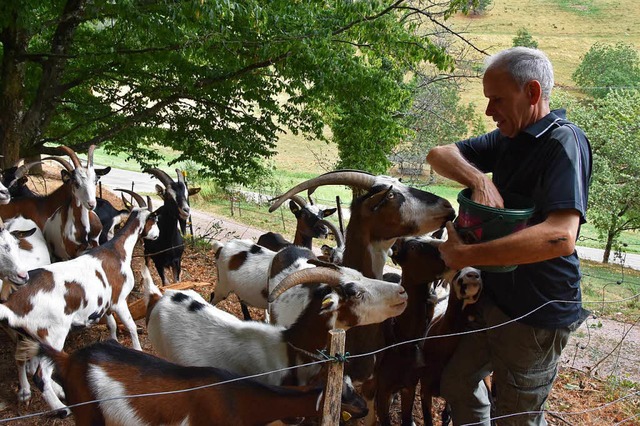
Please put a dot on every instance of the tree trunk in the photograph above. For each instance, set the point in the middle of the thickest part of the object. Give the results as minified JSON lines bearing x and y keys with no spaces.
{"x":607,"y":248}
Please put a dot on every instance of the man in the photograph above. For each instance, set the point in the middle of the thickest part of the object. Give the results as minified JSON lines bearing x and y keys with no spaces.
{"x":536,"y":153}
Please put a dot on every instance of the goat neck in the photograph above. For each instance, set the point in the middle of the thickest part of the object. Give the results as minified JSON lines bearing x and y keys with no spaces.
{"x":37,"y":208}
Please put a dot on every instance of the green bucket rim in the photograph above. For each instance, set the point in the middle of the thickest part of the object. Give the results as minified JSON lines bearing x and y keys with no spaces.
{"x":516,"y":213}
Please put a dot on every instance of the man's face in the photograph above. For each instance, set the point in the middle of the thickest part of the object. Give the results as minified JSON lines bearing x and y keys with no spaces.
{"x":509,"y":105}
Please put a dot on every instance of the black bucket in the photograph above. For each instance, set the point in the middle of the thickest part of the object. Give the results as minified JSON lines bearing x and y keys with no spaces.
{"x":478,"y":223}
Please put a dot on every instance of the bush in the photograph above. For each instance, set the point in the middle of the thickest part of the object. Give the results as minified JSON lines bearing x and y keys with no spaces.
{"x":524,"y":39}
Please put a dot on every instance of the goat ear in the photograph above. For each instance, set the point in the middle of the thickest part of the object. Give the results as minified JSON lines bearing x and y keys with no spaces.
{"x":23,"y":234}
{"x":375,"y":201}
{"x":328,"y":212}
{"x":66,"y":176}
{"x":160,"y":191}
{"x":330,"y":303}
{"x":194,"y":191}
{"x":102,"y":172}
{"x":294,"y":207}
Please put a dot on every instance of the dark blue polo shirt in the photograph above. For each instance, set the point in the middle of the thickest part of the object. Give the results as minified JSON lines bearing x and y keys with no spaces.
{"x":550,"y":163}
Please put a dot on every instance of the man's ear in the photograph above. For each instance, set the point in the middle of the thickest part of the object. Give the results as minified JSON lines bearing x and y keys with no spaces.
{"x":534,"y":90}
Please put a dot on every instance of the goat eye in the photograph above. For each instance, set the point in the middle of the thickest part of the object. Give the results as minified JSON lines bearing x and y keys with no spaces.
{"x":360,"y":295}
{"x":391,"y":195}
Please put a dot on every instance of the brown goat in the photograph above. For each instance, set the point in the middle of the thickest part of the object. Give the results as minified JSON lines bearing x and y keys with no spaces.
{"x":114,"y":375}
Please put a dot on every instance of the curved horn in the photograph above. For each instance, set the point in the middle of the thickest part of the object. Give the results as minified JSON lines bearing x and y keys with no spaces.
{"x":135,"y":196}
{"x":149,"y":203}
{"x":335,"y":231}
{"x":306,"y":276}
{"x":180,"y":175}
{"x":299,"y":200}
{"x":355,"y":178}
{"x":90,"y":156}
{"x":161,"y":175}
{"x":22,"y":170}
{"x":62,"y":161}
{"x":72,"y":154}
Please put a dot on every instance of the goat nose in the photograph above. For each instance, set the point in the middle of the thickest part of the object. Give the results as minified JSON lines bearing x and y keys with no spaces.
{"x":91,"y":205}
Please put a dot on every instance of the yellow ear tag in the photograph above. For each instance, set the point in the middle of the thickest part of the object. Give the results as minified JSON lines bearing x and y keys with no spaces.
{"x":326,"y":302}
{"x":346,"y":416}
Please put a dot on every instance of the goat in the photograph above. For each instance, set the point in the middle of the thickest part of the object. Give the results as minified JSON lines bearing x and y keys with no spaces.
{"x":185,"y":329}
{"x":388,"y":210}
{"x":333,"y":254}
{"x":32,"y":247}
{"x":12,"y":265}
{"x":399,"y":367}
{"x":466,"y":286}
{"x":110,"y":218}
{"x":166,"y":251}
{"x":5,"y":196}
{"x":310,"y":224}
{"x":242,"y":269}
{"x":78,"y":292}
{"x":15,"y":179}
{"x":74,"y":227}
{"x":110,"y":375}
{"x":40,"y":208}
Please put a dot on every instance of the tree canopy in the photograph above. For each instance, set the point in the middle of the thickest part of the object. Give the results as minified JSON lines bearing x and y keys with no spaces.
{"x":608,"y":67}
{"x":214,"y":80}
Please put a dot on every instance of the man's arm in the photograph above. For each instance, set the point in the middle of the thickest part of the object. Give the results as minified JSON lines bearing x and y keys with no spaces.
{"x":447,"y":161}
{"x":552,"y":238}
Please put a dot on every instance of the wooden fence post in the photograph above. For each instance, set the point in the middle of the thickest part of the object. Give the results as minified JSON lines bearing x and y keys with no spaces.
{"x":331,"y":409}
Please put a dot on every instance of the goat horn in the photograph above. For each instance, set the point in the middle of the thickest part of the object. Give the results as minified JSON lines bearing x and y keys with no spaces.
{"x":306,"y":276}
{"x":72,"y":154}
{"x":149,"y":203}
{"x":335,"y":231}
{"x":161,"y":175}
{"x":22,"y":170}
{"x":355,"y":178}
{"x":299,"y":200}
{"x":62,"y":161}
{"x":180,"y":175}
{"x":90,"y":156}
{"x":135,"y":196}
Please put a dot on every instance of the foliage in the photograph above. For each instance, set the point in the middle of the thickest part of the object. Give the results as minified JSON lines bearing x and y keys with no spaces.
{"x":606,"y":67}
{"x":436,"y":118}
{"x":216,"y":81}
{"x":611,"y":125}
{"x":525,"y":39}
{"x":478,"y":7}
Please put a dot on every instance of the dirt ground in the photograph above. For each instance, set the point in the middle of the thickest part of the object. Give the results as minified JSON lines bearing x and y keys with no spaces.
{"x":581,"y":398}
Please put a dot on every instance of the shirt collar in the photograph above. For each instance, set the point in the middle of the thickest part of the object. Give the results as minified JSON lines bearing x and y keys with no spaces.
{"x":543,"y":125}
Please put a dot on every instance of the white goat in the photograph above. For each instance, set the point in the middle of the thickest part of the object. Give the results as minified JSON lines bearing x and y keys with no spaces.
{"x":185,"y":329}
{"x":78,"y":292}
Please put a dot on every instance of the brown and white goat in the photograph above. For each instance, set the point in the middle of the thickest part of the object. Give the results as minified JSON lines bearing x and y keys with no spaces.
{"x":40,"y":208}
{"x":12,"y":265}
{"x":170,"y":394}
{"x":400,"y":366}
{"x":74,"y":227}
{"x":466,"y":286}
{"x":388,"y":210}
{"x":309,"y":225}
{"x":78,"y":292}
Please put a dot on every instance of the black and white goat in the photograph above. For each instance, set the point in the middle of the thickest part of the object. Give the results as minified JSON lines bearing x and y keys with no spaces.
{"x":174,"y":394}
{"x":310,"y":224}
{"x":78,"y":292}
{"x":388,"y":210}
{"x":110,"y":218}
{"x":166,"y":251}
{"x":15,"y":179}
{"x":74,"y":227}
{"x":12,"y":266}
{"x":185,"y":329}
{"x":5,"y":195}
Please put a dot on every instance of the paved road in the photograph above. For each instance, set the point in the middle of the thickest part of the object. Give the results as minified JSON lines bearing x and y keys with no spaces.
{"x":207,"y":225}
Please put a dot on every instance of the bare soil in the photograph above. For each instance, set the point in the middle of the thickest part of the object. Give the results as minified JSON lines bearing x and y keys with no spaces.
{"x":591,"y":396}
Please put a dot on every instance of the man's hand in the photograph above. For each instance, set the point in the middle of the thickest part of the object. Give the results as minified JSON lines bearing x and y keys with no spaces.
{"x":452,"y":250}
{"x":487,"y":194}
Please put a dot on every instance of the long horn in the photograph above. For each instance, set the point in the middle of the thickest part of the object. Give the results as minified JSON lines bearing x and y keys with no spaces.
{"x":355,"y":178}
{"x":90,"y":156}
{"x":306,"y":276}
{"x":180,"y":175}
{"x":136,"y":197}
{"x":335,"y":231}
{"x":62,"y":161}
{"x":24,"y":169}
{"x":72,"y":154}
{"x":161,"y":175}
